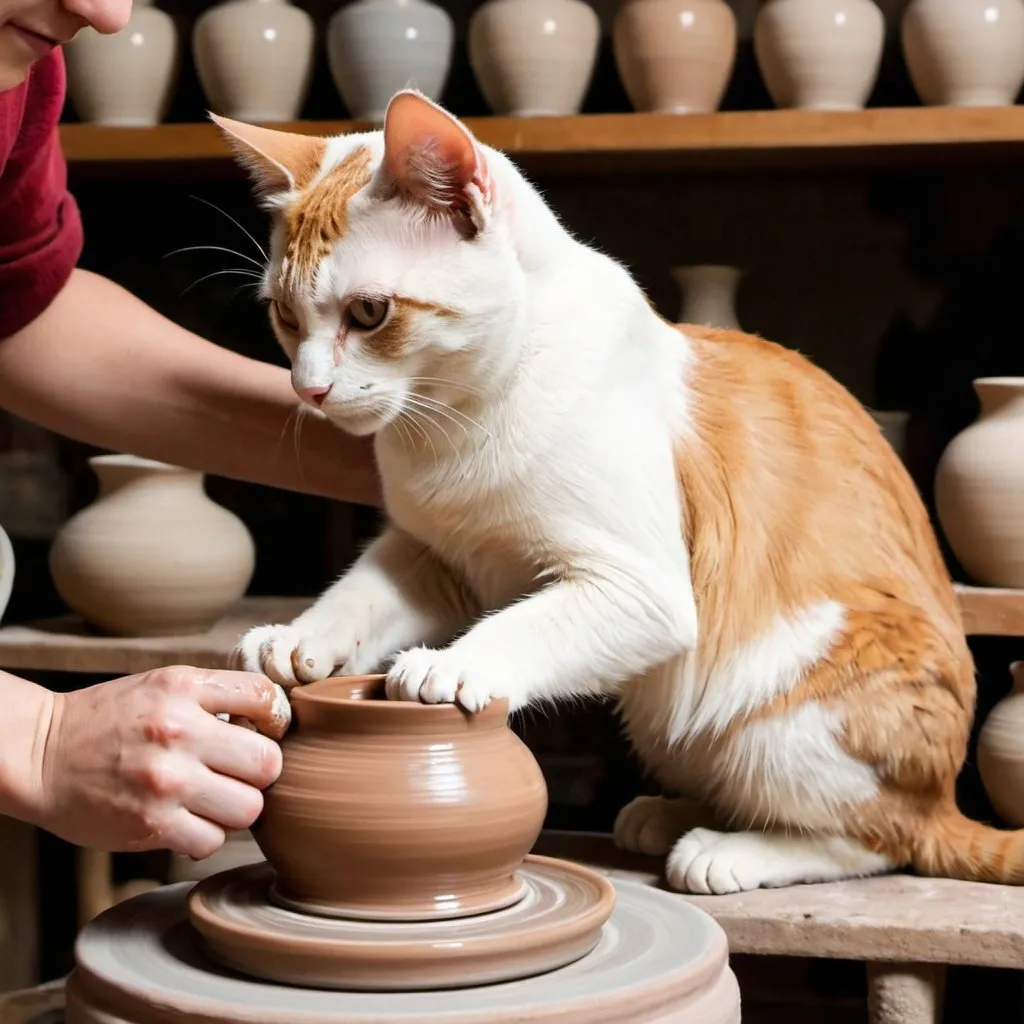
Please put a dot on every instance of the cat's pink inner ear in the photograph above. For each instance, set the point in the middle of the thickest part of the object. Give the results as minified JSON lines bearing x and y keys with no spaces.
{"x":430,"y":155}
{"x":278,"y":161}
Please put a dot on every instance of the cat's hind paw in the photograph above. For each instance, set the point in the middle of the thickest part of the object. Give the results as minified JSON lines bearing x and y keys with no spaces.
{"x":652,"y":824}
{"x":291,"y":656}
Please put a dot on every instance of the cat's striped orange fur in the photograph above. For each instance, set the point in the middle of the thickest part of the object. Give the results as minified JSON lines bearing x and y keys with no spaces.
{"x":774,"y":524}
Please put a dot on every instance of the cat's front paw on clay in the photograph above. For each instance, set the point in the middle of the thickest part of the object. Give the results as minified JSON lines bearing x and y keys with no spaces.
{"x":290,"y":655}
{"x":441,"y":677}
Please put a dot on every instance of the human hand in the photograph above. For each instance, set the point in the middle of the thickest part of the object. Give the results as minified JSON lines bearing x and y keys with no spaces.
{"x":144,"y":763}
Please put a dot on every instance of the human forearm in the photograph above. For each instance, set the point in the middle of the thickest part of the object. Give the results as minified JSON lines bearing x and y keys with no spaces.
{"x":24,"y":726}
{"x":102,"y":367}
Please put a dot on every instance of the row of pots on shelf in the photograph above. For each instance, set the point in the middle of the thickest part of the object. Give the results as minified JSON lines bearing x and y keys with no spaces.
{"x":255,"y":58}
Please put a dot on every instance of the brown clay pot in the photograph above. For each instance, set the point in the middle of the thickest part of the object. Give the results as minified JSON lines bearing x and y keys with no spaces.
{"x":392,"y":810}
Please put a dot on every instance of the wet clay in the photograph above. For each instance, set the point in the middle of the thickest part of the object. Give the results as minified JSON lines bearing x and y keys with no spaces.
{"x":558,"y":921}
{"x":392,"y":810}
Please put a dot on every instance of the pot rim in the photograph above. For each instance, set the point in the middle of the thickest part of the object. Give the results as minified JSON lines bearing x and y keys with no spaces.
{"x":362,"y":701}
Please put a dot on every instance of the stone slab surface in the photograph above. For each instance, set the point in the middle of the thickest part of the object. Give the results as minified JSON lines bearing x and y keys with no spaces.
{"x":896,"y":918}
{"x":66,"y":644}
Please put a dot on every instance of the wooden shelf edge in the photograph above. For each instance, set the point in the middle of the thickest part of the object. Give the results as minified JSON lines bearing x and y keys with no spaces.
{"x":755,"y":134}
{"x":991,"y":611}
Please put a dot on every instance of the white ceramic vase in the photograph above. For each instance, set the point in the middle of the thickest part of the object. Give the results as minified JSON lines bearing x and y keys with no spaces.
{"x":254,"y":59}
{"x":708,"y":295}
{"x":675,"y":56}
{"x":1001,"y":752}
{"x":979,"y":487}
{"x":6,"y":571}
{"x":533,"y":58}
{"x":376,"y":47}
{"x":819,"y":54}
{"x":153,"y":555}
{"x":126,"y":79}
{"x":965,"y":53}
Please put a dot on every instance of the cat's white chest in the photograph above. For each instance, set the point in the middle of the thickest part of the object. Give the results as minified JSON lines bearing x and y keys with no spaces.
{"x":472,"y":516}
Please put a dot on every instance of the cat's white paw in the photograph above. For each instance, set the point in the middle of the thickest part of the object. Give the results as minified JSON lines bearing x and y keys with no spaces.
{"x":291,"y":656}
{"x":715,"y":863}
{"x":652,"y":824}
{"x":440,"y":677}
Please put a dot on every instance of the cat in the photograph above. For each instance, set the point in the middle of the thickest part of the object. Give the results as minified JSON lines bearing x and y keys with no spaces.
{"x":584,"y":500}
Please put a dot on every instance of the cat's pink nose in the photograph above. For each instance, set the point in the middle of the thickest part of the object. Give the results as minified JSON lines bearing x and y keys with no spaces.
{"x":314,"y":396}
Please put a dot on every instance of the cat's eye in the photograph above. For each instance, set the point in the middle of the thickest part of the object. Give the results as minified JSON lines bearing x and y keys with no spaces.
{"x":286,"y":315}
{"x":366,"y":314}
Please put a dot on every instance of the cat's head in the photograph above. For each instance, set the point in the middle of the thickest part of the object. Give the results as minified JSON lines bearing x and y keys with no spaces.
{"x":393,"y":270}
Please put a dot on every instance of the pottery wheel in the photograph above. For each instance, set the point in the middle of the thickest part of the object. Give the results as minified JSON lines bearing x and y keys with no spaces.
{"x":557,"y":920}
{"x":658,"y":961}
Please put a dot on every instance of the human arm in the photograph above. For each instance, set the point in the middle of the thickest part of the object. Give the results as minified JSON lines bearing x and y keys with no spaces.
{"x":101,"y":366}
{"x":142,"y":762}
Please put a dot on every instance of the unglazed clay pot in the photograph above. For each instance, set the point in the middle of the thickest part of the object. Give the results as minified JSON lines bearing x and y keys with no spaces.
{"x":708,"y":295}
{"x":153,"y":555}
{"x":1001,"y":752}
{"x":377,"y":47}
{"x":819,"y":54}
{"x":979,"y":487}
{"x":126,"y":79}
{"x":675,"y":56}
{"x":965,"y":53}
{"x":533,"y":57}
{"x":390,"y":810}
{"x":254,"y":59}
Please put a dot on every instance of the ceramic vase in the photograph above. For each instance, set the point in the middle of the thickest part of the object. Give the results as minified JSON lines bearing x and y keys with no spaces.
{"x":6,"y":571}
{"x":819,"y":54}
{"x":675,"y":56}
{"x":376,"y":47}
{"x":153,"y":555}
{"x":533,"y":58}
{"x":979,"y":487}
{"x":708,"y":295}
{"x":430,"y":810}
{"x":254,"y":59}
{"x":893,"y":425}
{"x":965,"y":53}
{"x":1001,"y":752}
{"x":126,"y":79}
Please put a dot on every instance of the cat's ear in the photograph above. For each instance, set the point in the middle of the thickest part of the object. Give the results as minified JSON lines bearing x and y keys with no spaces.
{"x":431,"y":158}
{"x":278,"y":161}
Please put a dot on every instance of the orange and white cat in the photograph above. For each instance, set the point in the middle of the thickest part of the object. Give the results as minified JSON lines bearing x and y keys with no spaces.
{"x":586,"y":500}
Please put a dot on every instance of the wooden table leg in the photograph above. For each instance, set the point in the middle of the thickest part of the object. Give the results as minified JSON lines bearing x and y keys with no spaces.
{"x":906,"y":993}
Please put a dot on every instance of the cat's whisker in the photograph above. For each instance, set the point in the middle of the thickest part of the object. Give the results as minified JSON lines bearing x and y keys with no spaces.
{"x":217,"y":273}
{"x":411,"y":415}
{"x":224,"y":213}
{"x":448,"y":409}
{"x":432,"y":405}
{"x":216,"y":248}
{"x":444,"y":382}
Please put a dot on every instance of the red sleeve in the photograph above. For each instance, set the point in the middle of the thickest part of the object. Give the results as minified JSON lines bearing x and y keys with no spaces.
{"x":40,"y":226}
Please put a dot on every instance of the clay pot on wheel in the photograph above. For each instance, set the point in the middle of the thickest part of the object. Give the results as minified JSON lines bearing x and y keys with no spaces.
{"x":153,"y":555}
{"x":965,"y":53}
{"x":819,"y":54}
{"x":533,"y":58}
{"x":979,"y":487}
{"x":675,"y":56}
{"x":391,"y":810}
{"x":1001,"y":752}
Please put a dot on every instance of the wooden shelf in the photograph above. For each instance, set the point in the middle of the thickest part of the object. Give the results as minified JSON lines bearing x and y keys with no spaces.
{"x":794,"y":140}
{"x":991,"y":611}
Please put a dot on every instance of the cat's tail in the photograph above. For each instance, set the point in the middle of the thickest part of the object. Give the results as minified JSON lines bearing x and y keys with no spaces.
{"x":953,"y":846}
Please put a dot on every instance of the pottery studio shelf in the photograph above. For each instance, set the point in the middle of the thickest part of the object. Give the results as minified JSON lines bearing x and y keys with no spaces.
{"x":64,"y":644}
{"x":784,"y":140}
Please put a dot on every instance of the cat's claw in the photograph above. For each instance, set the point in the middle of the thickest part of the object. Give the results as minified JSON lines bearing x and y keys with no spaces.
{"x":435,"y":677}
{"x":290,"y":656}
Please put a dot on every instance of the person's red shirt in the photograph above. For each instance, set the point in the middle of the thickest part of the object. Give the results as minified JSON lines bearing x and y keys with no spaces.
{"x":40,"y":226}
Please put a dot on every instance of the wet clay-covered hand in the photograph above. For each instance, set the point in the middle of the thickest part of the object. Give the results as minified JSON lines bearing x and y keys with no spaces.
{"x":144,"y":762}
